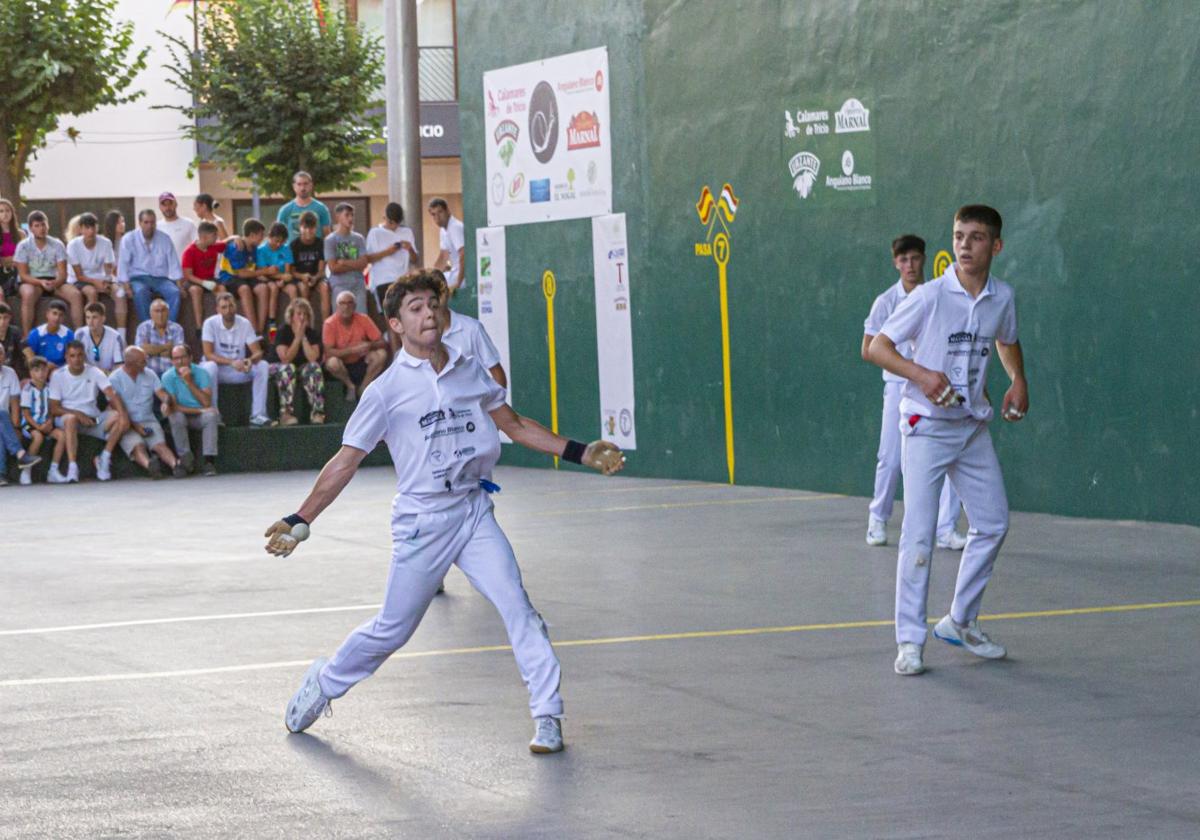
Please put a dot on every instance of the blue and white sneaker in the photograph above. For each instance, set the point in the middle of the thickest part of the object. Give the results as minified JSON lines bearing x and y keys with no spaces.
{"x":308,"y":702}
{"x":970,"y":637}
{"x":547,"y":736}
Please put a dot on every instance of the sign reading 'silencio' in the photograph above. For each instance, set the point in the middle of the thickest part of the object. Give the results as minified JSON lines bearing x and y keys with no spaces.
{"x":549,"y":153}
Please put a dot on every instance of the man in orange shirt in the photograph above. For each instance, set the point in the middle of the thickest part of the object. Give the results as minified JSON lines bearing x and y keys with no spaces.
{"x":355,"y":352}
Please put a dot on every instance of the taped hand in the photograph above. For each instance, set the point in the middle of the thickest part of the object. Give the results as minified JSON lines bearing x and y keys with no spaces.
{"x":604,"y":456}
{"x":283,"y":538}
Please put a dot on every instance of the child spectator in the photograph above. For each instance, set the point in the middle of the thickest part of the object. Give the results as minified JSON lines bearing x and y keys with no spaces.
{"x":36,"y":422}
{"x":275,"y":256}
{"x":200,"y":268}
{"x":239,"y":272}
{"x":50,"y":339}
{"x":308,"y":262}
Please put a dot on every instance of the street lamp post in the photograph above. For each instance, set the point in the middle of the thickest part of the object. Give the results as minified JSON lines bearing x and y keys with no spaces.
{"x":403,"y":111}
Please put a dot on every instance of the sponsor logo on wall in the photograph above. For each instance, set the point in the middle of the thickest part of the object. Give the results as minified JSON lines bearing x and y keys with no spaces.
{"x":543,"y":122}
{"x":852,"y":116}
{"x":584,"y":131}
{"x":808,"y":141}
{"x":539,"y":190}
{"x":804,"y":168}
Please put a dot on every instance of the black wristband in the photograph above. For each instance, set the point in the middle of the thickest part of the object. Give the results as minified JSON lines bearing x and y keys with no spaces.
{"x":293,"y":519}
{"x":574,"y":452}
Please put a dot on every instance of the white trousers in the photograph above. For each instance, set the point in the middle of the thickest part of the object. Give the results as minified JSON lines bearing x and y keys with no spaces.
{"x":423,"y":548}
{"x":887,"y":468}
{"x":259,"y":376}
{"x":933,"y":450}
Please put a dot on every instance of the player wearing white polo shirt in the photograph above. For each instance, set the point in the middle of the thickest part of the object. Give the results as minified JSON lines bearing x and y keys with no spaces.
{"x":908,"y":256}
{"x":438,"y":412}
{"x":953,"y":322}
{"x":468,"y":335}
{"x":233,"y":353}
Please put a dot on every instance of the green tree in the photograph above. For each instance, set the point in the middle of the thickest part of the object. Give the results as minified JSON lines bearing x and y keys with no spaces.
{"x":60,"y":57}
{"x":276,"y":87}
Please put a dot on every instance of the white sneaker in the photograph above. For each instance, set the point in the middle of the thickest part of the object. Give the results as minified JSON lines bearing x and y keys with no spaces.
{"x":103,"y":463}
{"x":970,"y":637}
{"x":261,"y":420}
{"x":876,"y":531}
{"x":909,"y":660}
{"x":308,"y":702}
{"x":952,"y":541}
{"x":26,"y":478}
{"x":56,"y":477}
{"x":73,"y":473}
{"x":547,"y":736}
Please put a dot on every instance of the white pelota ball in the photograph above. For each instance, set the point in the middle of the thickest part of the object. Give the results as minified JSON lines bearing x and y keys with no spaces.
{"x":300,"y":532}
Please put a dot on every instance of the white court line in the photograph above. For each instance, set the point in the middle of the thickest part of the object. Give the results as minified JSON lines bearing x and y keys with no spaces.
{"x":67,"y":628}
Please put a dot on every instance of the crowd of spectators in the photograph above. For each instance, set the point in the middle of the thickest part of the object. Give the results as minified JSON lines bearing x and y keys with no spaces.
{"x":75,"y":374}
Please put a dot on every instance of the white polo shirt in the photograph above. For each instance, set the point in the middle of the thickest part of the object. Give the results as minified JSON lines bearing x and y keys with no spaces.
{"x":452,"y":237}
{"x":78,"y":393}
{"x":953,"y":333}
{"x":229,"y":342}
{"x":108,"y":353}
{"x":394,"y":266}
{"x":884,"y":306}
{"x":466,"y":335}
{"x":436,"y":426}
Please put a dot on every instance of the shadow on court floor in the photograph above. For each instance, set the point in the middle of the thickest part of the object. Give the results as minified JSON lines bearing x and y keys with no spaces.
{"x":166,"y":720}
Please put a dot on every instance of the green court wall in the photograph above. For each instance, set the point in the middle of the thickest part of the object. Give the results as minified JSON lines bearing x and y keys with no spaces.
{"x":1077,"y":120}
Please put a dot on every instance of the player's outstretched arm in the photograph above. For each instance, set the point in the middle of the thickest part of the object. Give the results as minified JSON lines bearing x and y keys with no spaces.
{"x":284,"y":535}
{"x":599,"y":454}
{"x":1016,"y":398}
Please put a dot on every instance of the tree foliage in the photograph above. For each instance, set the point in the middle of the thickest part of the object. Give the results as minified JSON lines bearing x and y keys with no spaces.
{"x":275,"y":88}
{"x":60,"y":57}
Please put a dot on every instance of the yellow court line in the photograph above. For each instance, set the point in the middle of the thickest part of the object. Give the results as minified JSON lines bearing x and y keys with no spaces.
{"x":610,"y":640}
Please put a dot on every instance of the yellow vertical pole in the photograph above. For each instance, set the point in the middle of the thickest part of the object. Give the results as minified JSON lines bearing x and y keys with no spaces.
{"x":548,"y":289}
{"x":721,"y":256}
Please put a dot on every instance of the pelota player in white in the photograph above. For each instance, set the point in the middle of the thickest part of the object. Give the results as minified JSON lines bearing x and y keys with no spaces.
{"x":908,"y":256}
{"x":953,"y":322}
{"x":438,"y":411}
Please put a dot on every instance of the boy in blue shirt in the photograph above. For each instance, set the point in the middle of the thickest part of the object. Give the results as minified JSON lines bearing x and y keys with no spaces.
{"x":275,"y":256}
{"x":238,"y":271}
{"x":50,"y":339}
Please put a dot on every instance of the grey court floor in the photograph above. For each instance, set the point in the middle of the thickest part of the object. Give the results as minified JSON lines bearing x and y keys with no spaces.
{"x":149,"y":646}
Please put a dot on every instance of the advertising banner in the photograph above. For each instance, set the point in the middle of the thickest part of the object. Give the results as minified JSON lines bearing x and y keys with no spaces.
{"x":549,"y":156}
{"x":493,"y":296}
{"x":614,"y":330}
{"x":829,"y":151}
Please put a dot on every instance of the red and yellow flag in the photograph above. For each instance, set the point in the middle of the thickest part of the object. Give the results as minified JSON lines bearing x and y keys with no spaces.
{"x":704,"y":207}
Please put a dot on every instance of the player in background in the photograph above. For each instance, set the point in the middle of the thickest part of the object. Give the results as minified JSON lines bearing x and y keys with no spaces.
{"x":908,"y":256}
{"x":953,"y":322}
